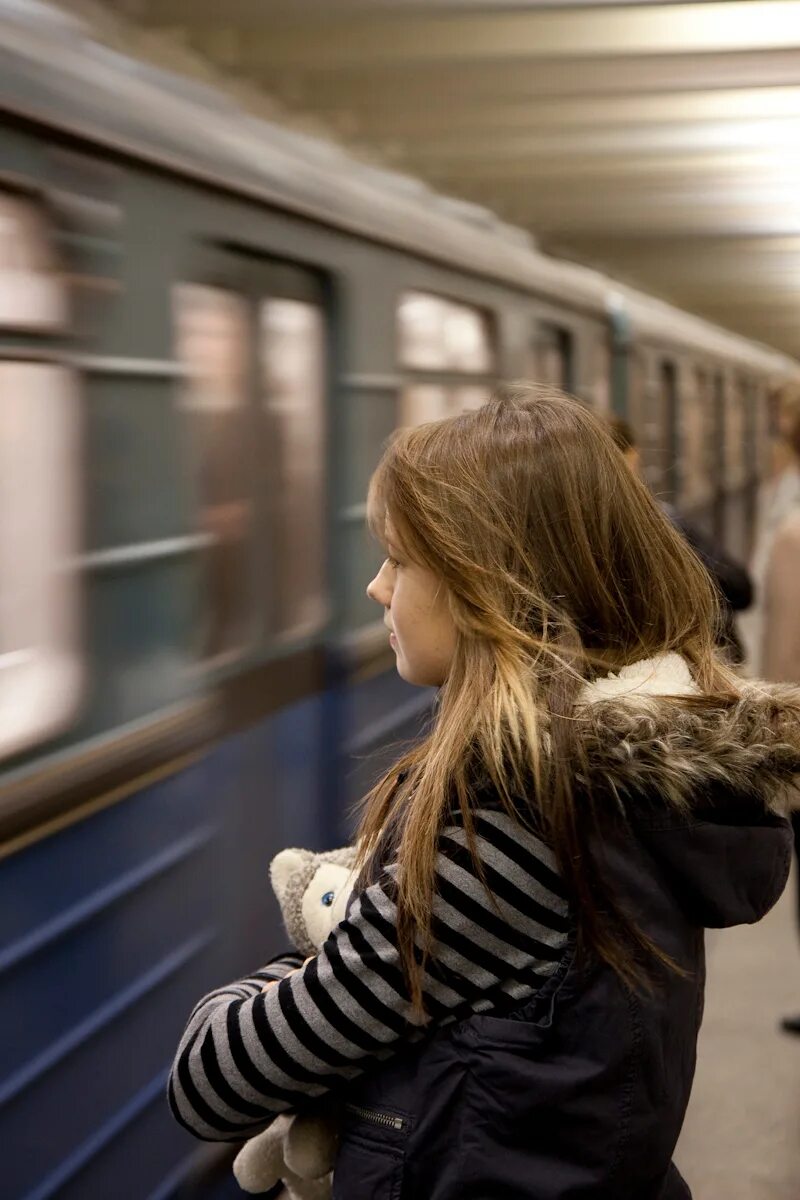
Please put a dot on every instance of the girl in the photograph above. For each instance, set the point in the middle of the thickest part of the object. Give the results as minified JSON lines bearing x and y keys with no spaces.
{"x":511,"y":1007}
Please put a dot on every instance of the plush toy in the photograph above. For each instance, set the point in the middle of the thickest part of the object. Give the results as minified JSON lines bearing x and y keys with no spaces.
{"x":298,"y":1150}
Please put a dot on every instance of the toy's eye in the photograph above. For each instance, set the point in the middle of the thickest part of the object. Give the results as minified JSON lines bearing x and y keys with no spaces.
{"x":328,"y":899}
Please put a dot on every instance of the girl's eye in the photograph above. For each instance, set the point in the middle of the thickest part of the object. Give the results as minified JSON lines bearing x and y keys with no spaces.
{"x":393,"y":563}
{"x":328,"y":899}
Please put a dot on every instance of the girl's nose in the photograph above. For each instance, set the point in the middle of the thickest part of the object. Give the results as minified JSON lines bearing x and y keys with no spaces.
{"x":378,"y":589}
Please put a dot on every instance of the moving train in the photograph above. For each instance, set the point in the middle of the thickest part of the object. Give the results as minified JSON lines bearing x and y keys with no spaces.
{"x":208,"y":328}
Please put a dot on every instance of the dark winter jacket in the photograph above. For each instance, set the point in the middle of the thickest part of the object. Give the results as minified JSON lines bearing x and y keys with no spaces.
{"x":539,"y":1078}
{"x":581,"y":1092}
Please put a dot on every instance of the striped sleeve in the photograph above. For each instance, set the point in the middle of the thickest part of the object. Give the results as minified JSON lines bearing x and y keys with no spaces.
{"x":247,"y":1055}
{"x":277,"y":968}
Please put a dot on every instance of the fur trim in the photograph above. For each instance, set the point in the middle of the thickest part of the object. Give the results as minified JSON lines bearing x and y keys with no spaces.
{"x":664,"y":675}
{"x":649,"y":729}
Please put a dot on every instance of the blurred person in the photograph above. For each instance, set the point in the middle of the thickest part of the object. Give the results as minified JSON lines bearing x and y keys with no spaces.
{"x":522,"y":958}
{"x":780,"y":498}
{"x":732,"y":579}
{"x":780,"y":604}
{"x":778,"y":564}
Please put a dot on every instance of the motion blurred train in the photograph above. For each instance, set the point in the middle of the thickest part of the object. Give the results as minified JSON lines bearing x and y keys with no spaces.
{"x":208,"y":328}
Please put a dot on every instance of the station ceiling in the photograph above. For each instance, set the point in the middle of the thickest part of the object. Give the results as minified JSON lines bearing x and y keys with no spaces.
{"x":657,"y":141}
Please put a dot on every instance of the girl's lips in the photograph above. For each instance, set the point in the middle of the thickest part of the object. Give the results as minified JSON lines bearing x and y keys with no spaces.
{"x":392,"y":640}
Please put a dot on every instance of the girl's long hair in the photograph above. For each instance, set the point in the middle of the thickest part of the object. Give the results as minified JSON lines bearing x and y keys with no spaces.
{"x":559,"y":565}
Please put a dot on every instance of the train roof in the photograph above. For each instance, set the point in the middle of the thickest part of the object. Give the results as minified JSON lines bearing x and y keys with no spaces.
{"x":53,"y":71}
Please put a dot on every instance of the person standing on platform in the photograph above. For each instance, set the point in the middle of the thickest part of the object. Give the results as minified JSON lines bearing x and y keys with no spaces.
{"x":511,"y":1004}
{"x":781,"y":498}
{"x":732,"y":579}
{"x":780,"y":600}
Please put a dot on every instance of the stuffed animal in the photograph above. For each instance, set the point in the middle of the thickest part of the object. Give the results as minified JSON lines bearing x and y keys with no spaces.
{"x":299,"y":1150}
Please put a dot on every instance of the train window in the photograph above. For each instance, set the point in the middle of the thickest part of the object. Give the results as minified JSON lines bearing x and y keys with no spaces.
{"x":211,"y":326}
{"x":41,"y":667}
{"x":551,"y":357}
{"x":41,"y":670}
{"x":32,"y":296}
{"x":446,"y":345}
{"x":436,"y":334}
{"x":293,"y":372}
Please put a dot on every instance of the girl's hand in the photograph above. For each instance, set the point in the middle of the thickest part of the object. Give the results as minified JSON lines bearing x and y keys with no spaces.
{"x":272,"y":982}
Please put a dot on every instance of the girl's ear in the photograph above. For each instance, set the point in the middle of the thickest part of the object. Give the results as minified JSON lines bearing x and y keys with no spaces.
{"x":283,"y":867}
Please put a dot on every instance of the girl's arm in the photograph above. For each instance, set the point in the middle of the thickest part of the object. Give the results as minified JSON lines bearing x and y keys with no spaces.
{"x":246,"y":1057}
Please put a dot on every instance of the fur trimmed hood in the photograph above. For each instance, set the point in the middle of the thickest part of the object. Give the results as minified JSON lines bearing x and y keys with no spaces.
{"x":649,"y":729}
{"x":702,"y":784}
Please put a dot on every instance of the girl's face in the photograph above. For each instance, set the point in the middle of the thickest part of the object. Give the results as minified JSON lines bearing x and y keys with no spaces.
{"x":422,"y":633}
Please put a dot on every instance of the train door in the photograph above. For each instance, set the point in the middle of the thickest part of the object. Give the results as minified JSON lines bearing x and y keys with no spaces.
{"x":252,"y":335}
{"x":253,"y":340}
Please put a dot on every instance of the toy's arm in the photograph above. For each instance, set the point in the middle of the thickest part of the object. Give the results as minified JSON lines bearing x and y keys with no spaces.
{"x":242,"y":1060}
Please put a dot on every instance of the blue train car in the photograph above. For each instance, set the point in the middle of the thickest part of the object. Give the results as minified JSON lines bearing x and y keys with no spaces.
{"x":208,"y":328}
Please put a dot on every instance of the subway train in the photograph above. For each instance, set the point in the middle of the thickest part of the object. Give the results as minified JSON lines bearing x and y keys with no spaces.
{"x":208,"y":328}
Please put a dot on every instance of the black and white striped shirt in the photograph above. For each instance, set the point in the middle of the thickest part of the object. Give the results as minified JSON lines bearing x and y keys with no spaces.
{"x":247,"y":1055}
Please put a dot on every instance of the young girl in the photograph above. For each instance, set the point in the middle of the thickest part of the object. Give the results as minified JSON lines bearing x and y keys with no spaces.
{"x":510,"y":1009}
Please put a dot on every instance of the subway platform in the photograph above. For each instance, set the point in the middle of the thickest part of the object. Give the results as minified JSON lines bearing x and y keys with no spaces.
{"x":741,"y":1138}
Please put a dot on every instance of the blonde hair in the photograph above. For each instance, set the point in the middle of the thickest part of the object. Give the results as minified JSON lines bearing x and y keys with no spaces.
{"x":558,"y":565}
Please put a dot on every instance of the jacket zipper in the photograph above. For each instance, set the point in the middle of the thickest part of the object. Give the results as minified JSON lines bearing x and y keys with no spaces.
{"x":386,"y":1120}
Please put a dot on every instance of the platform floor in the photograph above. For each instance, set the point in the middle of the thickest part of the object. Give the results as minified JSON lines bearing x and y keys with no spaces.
{"x":741,"y":1139}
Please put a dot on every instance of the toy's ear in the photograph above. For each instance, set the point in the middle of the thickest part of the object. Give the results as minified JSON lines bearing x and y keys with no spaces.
{"x":283,"y":867}
{"x":343,"y":858}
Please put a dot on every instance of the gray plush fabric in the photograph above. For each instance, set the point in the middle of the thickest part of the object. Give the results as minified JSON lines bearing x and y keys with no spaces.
{"x":291,"y":898}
